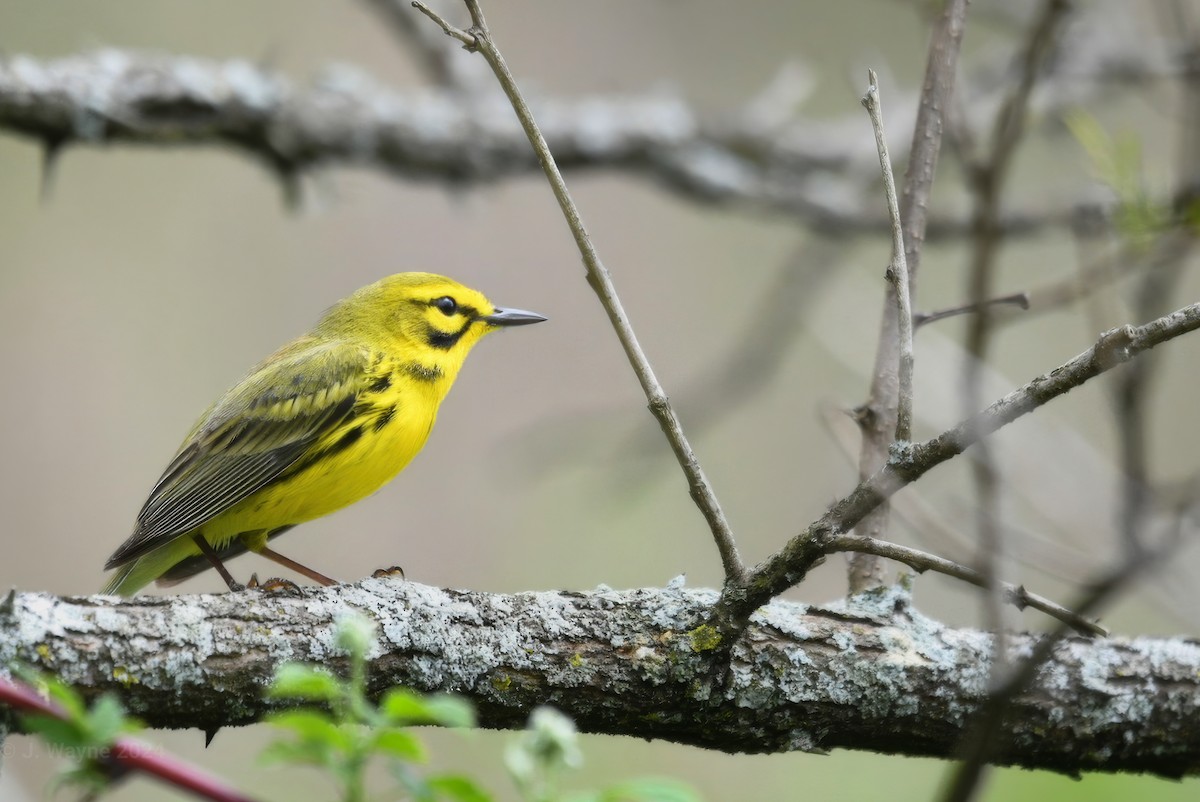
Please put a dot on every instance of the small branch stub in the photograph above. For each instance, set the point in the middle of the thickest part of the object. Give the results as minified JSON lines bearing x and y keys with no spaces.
{"x":468,"y":39}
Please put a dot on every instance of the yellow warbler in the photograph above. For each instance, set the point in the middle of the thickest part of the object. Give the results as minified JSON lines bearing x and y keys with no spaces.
{"x":323,"y":422}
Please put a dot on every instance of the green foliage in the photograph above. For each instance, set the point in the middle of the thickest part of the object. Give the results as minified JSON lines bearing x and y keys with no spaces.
{"x":342,"y":732}
{"x":336,"y":728}
{"x":84,"y":735}
{"x":1118,"y":164}
{"x":346,"y":731}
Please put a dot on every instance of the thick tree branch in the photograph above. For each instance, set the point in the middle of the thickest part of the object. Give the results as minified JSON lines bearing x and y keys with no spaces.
{"x":869,"y":674}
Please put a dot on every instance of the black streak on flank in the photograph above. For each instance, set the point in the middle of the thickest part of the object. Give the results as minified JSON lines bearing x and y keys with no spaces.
{"x":385,"y":417}
{"x":422,"y":373}
{"x":345,"y":441}
{"x":380,"y":384}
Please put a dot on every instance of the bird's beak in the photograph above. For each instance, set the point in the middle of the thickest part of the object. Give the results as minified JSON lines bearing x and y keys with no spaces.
{"x":512,"y":317}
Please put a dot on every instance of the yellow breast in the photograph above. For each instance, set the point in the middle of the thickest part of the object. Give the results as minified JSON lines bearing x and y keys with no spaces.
{"x":390,"y":425}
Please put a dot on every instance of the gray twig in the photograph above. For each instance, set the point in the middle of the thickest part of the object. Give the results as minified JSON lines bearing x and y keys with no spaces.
{"x":897,"y":273}
{"x":478,"y":39}
{"x":1017,"y":299}
{"x":922,"y":561}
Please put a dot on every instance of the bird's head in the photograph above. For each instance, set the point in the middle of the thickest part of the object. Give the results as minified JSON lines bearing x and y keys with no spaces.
{"x":423,"y":316}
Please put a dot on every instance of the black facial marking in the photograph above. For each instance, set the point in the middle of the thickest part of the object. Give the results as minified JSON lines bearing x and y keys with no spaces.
{"x":422,"y":373}
{"x":445,"y":340}
{"x":385,"y":417}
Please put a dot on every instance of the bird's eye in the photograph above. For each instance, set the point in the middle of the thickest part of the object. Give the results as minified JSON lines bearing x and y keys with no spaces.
{"x":446,"y":304}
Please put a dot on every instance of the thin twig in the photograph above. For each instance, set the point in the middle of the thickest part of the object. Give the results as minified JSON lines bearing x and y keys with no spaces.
{"x":479,"y":39}
{"x":897,"y":273}
{"x":791,"y":564}
{"x":1017,"y":299}
{"x":878,"y":415}
{"x":922,"y":561}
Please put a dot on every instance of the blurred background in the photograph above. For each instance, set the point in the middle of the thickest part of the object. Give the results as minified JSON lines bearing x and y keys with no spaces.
{"x":148,"y":280}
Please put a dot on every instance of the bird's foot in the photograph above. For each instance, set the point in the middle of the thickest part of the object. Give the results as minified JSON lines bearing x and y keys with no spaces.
{"x":275,"y":586}
{"x":384,"y":573}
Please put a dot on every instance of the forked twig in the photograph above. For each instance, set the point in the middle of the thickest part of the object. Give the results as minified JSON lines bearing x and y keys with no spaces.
{"x":792,"y":563}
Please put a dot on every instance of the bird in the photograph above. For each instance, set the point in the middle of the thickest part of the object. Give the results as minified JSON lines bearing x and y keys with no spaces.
{"x":321,"y":423}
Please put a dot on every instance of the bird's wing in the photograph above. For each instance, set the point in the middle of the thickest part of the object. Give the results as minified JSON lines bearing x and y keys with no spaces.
{"x":258,"y":433}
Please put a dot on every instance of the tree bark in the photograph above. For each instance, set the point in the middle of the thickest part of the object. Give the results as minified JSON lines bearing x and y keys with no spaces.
{"x":870,"y":673}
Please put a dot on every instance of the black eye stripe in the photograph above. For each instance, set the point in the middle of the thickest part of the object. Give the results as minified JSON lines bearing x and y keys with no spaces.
{"x":445,"y":340}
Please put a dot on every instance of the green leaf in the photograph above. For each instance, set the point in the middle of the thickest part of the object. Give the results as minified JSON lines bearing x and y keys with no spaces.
{"x":67,"y":698}
{"x":404,"y":707}
{"x":450,"y":711}
{"x":313,"y":726}
{"x":645,"y":789}
{"x":107,"y":720}
{"x":307,"y":753}
{"x":651,"y":789}
{"x":63,"y":734}
{"x":458,"y":788}
{"x":398,"y":744}
{"x":293,"y":680}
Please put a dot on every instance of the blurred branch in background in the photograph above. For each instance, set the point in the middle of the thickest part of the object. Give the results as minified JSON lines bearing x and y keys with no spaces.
{"x":987,"y":176}
{"x":766,"y":158}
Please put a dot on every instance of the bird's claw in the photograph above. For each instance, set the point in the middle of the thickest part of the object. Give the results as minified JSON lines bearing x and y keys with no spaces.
{"x":275,"y":585}
{"x":385,"y":573}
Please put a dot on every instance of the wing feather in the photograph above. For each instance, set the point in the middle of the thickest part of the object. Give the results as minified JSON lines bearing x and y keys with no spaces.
{"x":250,"y":438}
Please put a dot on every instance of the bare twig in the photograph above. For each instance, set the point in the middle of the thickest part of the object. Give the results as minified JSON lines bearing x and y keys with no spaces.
{"x":479,"y":39}
{"x":897,"y":273}
{"x":1018,"y":299}
{"x":1015,"y":595}
{"x":791,"y":564}
{"x":878,"y":415}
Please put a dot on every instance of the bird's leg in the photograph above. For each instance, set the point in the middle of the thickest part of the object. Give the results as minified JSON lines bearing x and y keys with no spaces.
{"x":288,"y":562}
{"x":207,"y":550}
